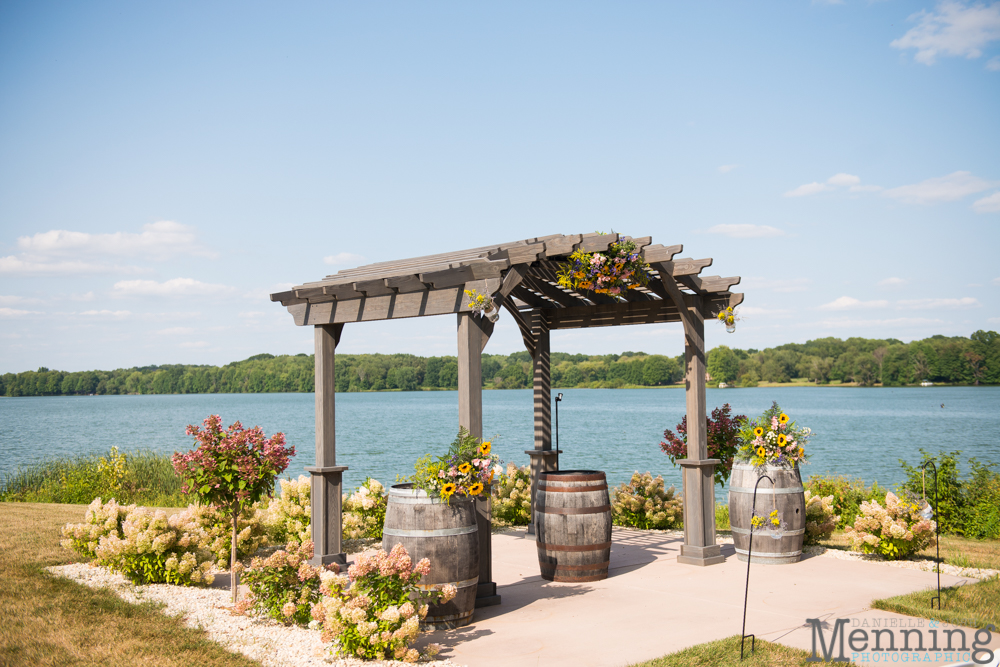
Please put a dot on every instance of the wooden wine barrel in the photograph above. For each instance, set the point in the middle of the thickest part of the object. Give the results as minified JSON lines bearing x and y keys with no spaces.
{"x":573,"y":525}
{"x":446,"y":534}
{"x":787,"y":496}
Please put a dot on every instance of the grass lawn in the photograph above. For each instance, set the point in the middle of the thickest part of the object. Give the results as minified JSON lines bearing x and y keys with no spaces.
{"x":45,"y":620}
{"x":726,"y":653}
{"x":955,"y":550}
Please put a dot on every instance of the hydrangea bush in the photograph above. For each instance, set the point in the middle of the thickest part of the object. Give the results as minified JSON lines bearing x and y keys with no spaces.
{"x":217,"y":536}
{"x":143,"y":544}
{"x":374,"y":611}
{"x":288,"y":516}
{"x":644,"y":503}
{"x":364,"y":511}
{"x":820,"y":518}
{"x":284,"y":585}
{"x":894,"y":531}
{"x":512,"y":497}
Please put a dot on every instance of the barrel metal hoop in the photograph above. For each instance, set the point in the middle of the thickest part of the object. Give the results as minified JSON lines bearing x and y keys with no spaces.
{"x":571,"y":489}
{"x":763,"y":490}
{"x":764,"y":533}
{"x":465,"y":583}
{"x":440,"y":532}
{"x":450,"y":617}
{"x":594,"y":566}
{"x":573,"y":547}
{"x":771,"y":554}
{"x":575,"y":510}
{"x":557,"y":477}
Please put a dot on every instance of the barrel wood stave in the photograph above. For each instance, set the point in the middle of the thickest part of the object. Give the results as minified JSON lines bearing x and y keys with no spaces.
{"x":787,"y":496}
{"x":573,"y":526}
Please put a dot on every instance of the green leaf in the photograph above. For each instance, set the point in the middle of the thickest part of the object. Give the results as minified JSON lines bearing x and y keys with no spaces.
{"x":205,"y":489}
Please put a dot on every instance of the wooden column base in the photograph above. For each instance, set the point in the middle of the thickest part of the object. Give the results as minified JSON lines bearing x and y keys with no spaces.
{"x":699,"y":546}
{"x":327,"y":526}
{"x":486,"y":592}
{"x":542,"y":460}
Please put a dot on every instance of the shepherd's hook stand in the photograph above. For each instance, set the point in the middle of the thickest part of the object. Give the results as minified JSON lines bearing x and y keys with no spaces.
{"x":937,"y":530}
{"x":746,"y":592}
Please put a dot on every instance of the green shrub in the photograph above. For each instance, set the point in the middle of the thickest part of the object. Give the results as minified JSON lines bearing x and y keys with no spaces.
{"x":722,"y":517}
{"x":968,"y":507}
{"x":981,"y":518}
{"x":893,"y":531}
{"x":644,"y":503}
{"x":848,"y":494}
{"x":216,"y":531}
{"x":284,"y":585}
{"x":512,"y":497}
{"x":820,"y":518}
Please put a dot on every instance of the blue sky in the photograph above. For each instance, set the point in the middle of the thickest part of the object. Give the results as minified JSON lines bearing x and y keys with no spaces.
{"x":164,"y":167}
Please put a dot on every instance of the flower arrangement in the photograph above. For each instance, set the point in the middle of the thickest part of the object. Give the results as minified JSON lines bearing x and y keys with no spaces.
{"x":374,"y":611}
{"x":483,"y":304}
{"x":364,"y":511}
{"x":467,"y":468}
{"x":894,"y":531}
{"x":820,"y":518}
{"x":288,"y":517}
{"x":771,"y":524}
{"x":512,"y":497}
{"x":644,"y":503}
{"x":729,"y":317}
{"x":722,"y":429}
{"x":772,"y":440}
{"x":231,"y":470}
{"x":284,"y":585}
{"x":615,"y":271}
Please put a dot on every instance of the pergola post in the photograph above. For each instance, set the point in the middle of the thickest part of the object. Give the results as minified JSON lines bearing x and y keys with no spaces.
{"x":699,"y":546}
{"x":327,"y":476}
{"x":543,"y":457}
{"x":470,"y":415}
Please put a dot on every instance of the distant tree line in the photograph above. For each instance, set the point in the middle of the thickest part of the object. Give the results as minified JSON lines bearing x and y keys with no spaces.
{"x":892,"y":363}
{"x":973,"y":360}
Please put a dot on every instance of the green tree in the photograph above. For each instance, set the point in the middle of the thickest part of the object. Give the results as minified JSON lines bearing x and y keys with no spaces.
{"x":723,"y":364}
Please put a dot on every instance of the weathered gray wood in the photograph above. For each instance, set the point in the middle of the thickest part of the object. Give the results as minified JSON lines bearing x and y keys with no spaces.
{"x":373,"y":287}
{"x":541,"y":382}
{"x":455,"y":558}
{"x":523,"y":325}
{"x":326,"y":475}
{"x":710,"y":283}
{"x":687,"y":266}
{"x":463,"y":274}
{"x":525,"y":254}
{"x":404,"y":284}
{"x":534,"y":300}
{"x":556,"y":294}
{"x":631,"y":312}
{"x":573,"y":525}
{"x":562,"y":246}
{"x":659,"y":253}
{"x":470,"y":375}
{"x":787,"y":495}
{"x":598,"y":242}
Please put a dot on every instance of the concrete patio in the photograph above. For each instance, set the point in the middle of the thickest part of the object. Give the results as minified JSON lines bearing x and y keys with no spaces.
{"x":651,"y":605}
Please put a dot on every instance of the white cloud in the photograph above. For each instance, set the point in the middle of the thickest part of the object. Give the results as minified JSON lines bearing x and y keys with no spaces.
{"x":865,"y":188}
{"x":11,"y":300}
{"x":989,"y":204}
{"x":953,"y":29}
{"x":176,"y":331}
{"x":781,"y":285}
{"x":726,"y":168}
{"x":893,"y":323}
{"x":746,"y":231}
{"x":808,"y":189}
{"x":996,"y":281}
{"x":14,"y":312}
{"x":117,"y":314}
{"x":944,"y":188}
{"x":850,"y":303}
{"x":29,"y":266}
{"x":993,"y":64}
{"x":87,"y":296}
{"x":892,"y":282}
{"x":158,"y":240}
{"x":342,"y":258}
{"x":844,"y":179}
{"x":173,"y":287}
{"x":924,"y":304}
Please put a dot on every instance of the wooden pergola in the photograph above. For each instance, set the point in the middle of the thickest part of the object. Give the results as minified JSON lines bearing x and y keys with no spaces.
{"x":521,"y":277}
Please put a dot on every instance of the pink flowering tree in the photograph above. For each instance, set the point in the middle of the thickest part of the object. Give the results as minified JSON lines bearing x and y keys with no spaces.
{"x":232,"y":469}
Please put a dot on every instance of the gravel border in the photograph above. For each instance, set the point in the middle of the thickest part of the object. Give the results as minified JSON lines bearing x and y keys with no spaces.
{"x":265,"y":640}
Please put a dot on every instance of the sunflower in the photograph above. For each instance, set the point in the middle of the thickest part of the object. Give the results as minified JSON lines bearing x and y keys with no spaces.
{"x":761,"y":452}
{"x":782,"y":440}
{"x":464,"y":468}
{"x":801,"y":452}
{"x":758,"y":431}
{"x":484,"y":449}
{"x":476,"y":489}
{"x":782,"y":418}
{"x":447,"y":490}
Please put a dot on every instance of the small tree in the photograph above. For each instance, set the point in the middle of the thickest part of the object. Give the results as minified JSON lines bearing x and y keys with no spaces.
{"x":722,"y":431}
{"x":231,"y":470}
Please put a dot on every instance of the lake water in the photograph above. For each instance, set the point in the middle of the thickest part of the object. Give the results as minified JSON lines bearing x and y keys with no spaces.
{"x":858,"y":432}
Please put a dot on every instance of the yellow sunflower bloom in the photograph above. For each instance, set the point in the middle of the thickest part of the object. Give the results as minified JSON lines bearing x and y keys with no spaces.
{"x":758,"y":431}
{"x":782,"y":418}
{"x":801,"y":452}
{"x":476,"y":489}
{"x":484,"y":449}
{"x":761,"y":452}
{"x":447,"y":490}
{"x":782,"y":440}
{"x":722,"y":316}
{"x":464,"y":468}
